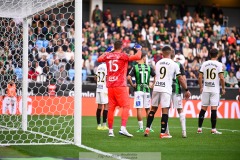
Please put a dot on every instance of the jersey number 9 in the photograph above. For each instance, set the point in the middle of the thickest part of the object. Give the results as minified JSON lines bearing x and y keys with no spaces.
{"x":162,"y":72}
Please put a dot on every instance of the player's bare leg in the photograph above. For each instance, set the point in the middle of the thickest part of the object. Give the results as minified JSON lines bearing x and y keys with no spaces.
{"x":164,"y":121}
{"x":150,"y":118}
{"x":140,"y":119}
{"x":214,"y":120}
{"x":105,"y":113}
{"x":182,"y":119}
{"x":201,"y":118}
{"x":98,"y":116}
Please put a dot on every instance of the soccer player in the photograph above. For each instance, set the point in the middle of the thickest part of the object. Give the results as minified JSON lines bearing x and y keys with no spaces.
{"x":211,"y":72}
{"x":142,"y":98}
{"x":11,"y":100}
{"x":101,"y":96}
{"x":177,"y":99}
{"x":166,"y":70}
{"x":118,"y":94}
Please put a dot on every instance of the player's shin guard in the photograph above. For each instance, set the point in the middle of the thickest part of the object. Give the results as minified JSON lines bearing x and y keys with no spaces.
{"x":105,"y":112}
{"x":98,"y":116}
{"x":213,"y":118}
{"x":182,"y":121}
{"x":201,"y":118}
{"x":150,"y":119}
{"x":164,"y":121}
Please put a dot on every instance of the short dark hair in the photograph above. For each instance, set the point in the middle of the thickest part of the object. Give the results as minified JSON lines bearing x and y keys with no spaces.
{"x":144,"y":54}
{"x":166,"y":49}
{"x":213,"y":53}
{"x":117,"y":44}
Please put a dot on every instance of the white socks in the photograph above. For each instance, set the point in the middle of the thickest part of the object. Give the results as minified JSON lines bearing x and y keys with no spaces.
{"x":140,"y":124}
{"x":183,"y":121}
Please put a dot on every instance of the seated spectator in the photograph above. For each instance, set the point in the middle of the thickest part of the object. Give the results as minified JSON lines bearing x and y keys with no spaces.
{"x":89,"y":64}
{"x":186,"y":50}
{"x":43,"y":61}
{"x":42,"y":52}
{"x":55,"y":66}
{"x":217,"y":27}
{"x":71,"y":73}
{"x":231,"y":81}
{"x":179,"y":57}
{"x":18,"y":72}
{"x":61,"y":75}
{"x":69,"y":54}
{"x":61,"y":55}
{"x":231,"y":39}
{"x":32,"y":74}
{"x":127,"y":22}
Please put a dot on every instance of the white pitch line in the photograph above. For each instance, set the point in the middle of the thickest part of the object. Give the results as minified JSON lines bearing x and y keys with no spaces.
{"x":66,"y":142}
{"x":101,"y":152}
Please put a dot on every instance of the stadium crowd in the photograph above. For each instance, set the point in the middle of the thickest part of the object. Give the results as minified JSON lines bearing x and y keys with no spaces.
{"x":51,"y":41}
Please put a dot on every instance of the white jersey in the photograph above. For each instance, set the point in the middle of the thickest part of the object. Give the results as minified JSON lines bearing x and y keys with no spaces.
{"x":210,"y":70}
{"x":166,"y":70}
{"x":101,"y":74}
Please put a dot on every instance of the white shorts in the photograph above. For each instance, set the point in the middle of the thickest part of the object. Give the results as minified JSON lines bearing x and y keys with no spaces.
{"x":177,"y":100}
{"x":101,"y":98}
{"x":210,"y":99}
{"x":142,"y":100}
{"x":162,"y":98}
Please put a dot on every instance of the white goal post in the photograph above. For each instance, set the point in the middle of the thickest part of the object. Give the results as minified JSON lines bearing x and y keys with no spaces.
{"x":48,"y":121}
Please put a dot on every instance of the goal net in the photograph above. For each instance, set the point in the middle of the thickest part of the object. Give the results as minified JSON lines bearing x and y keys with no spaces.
{"x":46,"y":114}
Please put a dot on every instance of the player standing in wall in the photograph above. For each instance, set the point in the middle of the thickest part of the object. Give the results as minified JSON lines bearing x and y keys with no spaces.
{"x":118,"y":94}
{"x":142,"y":97}
{"x":177,"y":98}
{"x":10,"y":102}
{"x":211,"y":72}
{"x":166,"y":70}
{"x":101,"y":96}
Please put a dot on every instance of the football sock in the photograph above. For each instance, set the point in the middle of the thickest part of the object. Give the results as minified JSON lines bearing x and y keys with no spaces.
{"x":98,"y":115}
{"x":164,"y":121}
{"x":140,"y":123}
{"x":213,"y":118}
{"x":201,"y":118}
{"x":182,"y":121}
{"x":150,"y":119}
{"x":105,"y":112}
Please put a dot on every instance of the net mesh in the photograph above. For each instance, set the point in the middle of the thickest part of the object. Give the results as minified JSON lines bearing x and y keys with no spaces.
{"x":50,"y":71}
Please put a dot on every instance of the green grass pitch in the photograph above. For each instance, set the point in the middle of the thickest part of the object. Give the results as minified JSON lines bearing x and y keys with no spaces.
{"x":196,"y":146}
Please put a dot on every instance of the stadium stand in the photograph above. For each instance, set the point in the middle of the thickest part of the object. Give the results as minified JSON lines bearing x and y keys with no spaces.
{"x":51,"y":46}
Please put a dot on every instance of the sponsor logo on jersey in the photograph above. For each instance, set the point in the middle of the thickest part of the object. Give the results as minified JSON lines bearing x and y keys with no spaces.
{"x":112,"y":78}
{"x":209,"y":84}
{"x":161,"y":84}
{"x":100,"y":86}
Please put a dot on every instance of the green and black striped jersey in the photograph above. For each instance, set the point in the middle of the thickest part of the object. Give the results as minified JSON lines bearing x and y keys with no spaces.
{"x":176,"y":84}
{"x":142,"y":73}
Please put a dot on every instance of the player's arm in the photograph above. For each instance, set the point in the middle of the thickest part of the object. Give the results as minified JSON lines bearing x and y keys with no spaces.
{"x":200,"y":80}
{"x":138,"y":55}
{"x":129,"y":77}
{"x":183,"y":83}
{"x":222,"y":81}
{"x":102,"y":57}
{"x":153,"y":74}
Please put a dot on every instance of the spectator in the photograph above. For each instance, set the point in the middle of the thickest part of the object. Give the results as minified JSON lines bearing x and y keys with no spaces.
{"x":123,"y":16}
{"x":231,"y":81}
{"x":89,"y":64}
{"x":69,"y":54}
{"x":97,"y":15}
{"x":43,"y":62}
{"x":32,"y":74}
{"x":18,"y":72}
{"x":232,"y":39}
{"x":61,"y":55}
{"x":42,"y":53}
{"x":238,"y":74}
{"x":217,"y":27}
{"x":55,"y":66}
{"x":61,"y":75}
